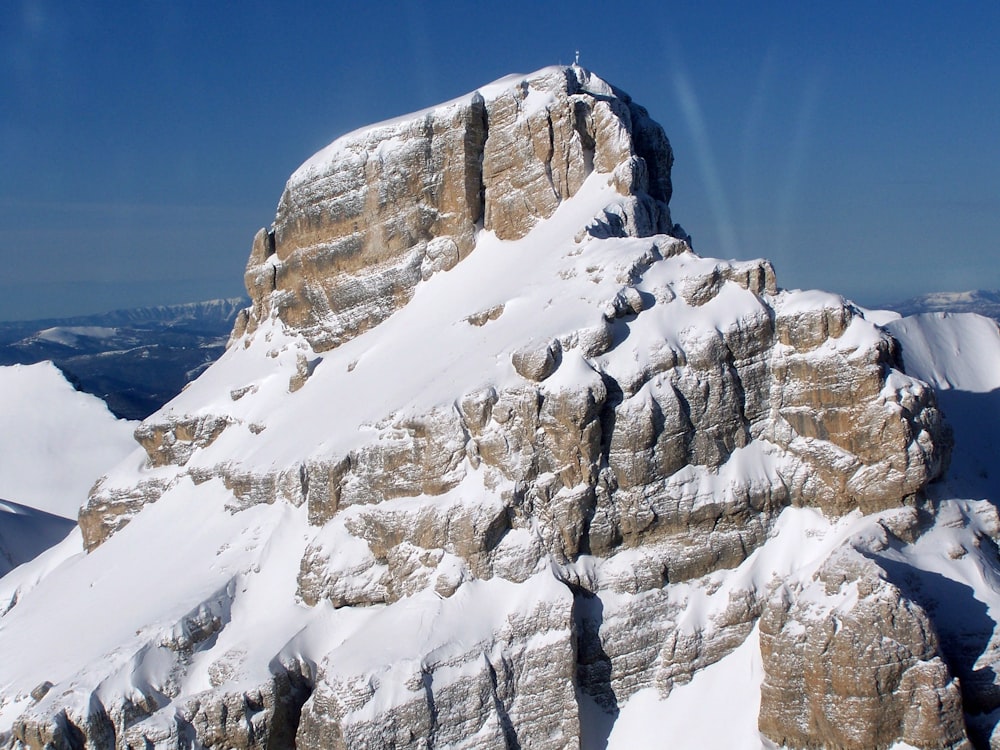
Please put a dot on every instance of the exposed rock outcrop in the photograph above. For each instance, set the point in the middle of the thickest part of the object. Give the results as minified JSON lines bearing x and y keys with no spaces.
{"x":365,"y":220}
{"x":852,"y":663}
{"x":507,"y":450}
{"x":508,"y":691}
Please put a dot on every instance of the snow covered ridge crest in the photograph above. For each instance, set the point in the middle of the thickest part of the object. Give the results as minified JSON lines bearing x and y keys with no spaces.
{"x":500,"y":500}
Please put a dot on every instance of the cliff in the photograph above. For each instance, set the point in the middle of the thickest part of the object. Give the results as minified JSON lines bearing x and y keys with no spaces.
{"x":493,"y":454}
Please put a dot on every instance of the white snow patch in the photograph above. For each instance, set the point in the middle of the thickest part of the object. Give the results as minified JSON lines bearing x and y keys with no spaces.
{"x":54,"y":441}
{"x":717,"y":709}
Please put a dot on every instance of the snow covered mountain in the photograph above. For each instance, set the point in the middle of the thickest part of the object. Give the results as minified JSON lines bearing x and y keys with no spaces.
{"x":54,"y":441}
{"x":495,"y":460}
{"x":54,"y":444}
{"x":135,"y":360}
{"x":981,"y":301}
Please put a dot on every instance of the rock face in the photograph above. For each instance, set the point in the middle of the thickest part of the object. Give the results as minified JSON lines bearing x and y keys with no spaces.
{"x":857,"y":666}
{"x":502,"y":692}
{"x":364,"y":221}
{"x":493,"y":452}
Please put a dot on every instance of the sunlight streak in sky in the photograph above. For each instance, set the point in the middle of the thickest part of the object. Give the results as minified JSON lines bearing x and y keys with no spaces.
{"x":794,"y":167}
{"x":422,"y":52}
{"x":706,"y":162}
{"x":750,"y":143}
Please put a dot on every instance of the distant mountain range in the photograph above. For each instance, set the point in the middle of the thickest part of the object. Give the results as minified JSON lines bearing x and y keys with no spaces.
{"x":983,"y":301}
{"x":136,"y":360}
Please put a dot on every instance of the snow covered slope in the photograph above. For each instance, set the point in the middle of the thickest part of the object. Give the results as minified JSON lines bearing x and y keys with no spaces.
{"x":26,"y":532}
{"x":54,"y":441}
{"x":54,"y":444}
{"x":495,"y":460}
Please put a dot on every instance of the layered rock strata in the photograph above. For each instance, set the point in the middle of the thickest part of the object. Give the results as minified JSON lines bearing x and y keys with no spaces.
{"x":490,"y":413}
{"x":365,"y":220}
{"x":854,"y":663}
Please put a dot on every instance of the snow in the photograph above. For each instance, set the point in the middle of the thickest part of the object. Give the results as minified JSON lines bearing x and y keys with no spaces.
{"x":384,"y":130}
{"x":358,"y":383}
{"x":951,"y":350}
{"x":797,"y":301}
{"x":26,"y":532}
{"x":879,"y":317}
{"x":54,"y":441}
{"x":717,"y":709}
{"x":959,"y":353}
{"x":178,"y":534}
{"x":71,"y":335}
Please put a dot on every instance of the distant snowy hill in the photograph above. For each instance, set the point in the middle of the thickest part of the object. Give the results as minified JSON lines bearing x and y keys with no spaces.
{"x":27,"y":532}
{"x":54,"y":441}
{"x":960,"y":355}
{"x":135,"y":360}
{"x":982,"y":302}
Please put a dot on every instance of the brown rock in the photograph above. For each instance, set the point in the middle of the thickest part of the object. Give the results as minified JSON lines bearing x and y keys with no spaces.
{"x":850,"y":663}
{"x":537,"y":361}
{"x":360,"y":225}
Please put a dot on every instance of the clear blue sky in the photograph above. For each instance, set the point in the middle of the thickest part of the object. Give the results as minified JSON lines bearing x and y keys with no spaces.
{"x":142,"y":143}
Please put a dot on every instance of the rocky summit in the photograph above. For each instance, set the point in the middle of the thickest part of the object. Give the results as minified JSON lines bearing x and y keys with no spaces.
{"x":494,"y":459}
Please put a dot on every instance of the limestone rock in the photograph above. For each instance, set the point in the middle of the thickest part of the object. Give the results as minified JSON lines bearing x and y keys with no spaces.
{"x":108,"y":510}
{"x":367,"y":219}
{"x":850,"y":662}
{"x":173,"y":441}
{"x":514,"y":690}
{"x":537,"y":362}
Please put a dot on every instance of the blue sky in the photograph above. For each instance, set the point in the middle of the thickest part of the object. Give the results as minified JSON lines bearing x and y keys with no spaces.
{"x":142,"y":143}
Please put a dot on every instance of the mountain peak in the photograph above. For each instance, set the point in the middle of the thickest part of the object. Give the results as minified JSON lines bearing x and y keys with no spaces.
{"x":367,"y":219}
{"x":493,"y":457}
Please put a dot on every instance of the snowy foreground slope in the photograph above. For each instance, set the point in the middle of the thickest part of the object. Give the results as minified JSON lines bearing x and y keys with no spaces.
{"x":54,"y":440}
{"x":495,"y":460}
{"x":54,"y":444}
